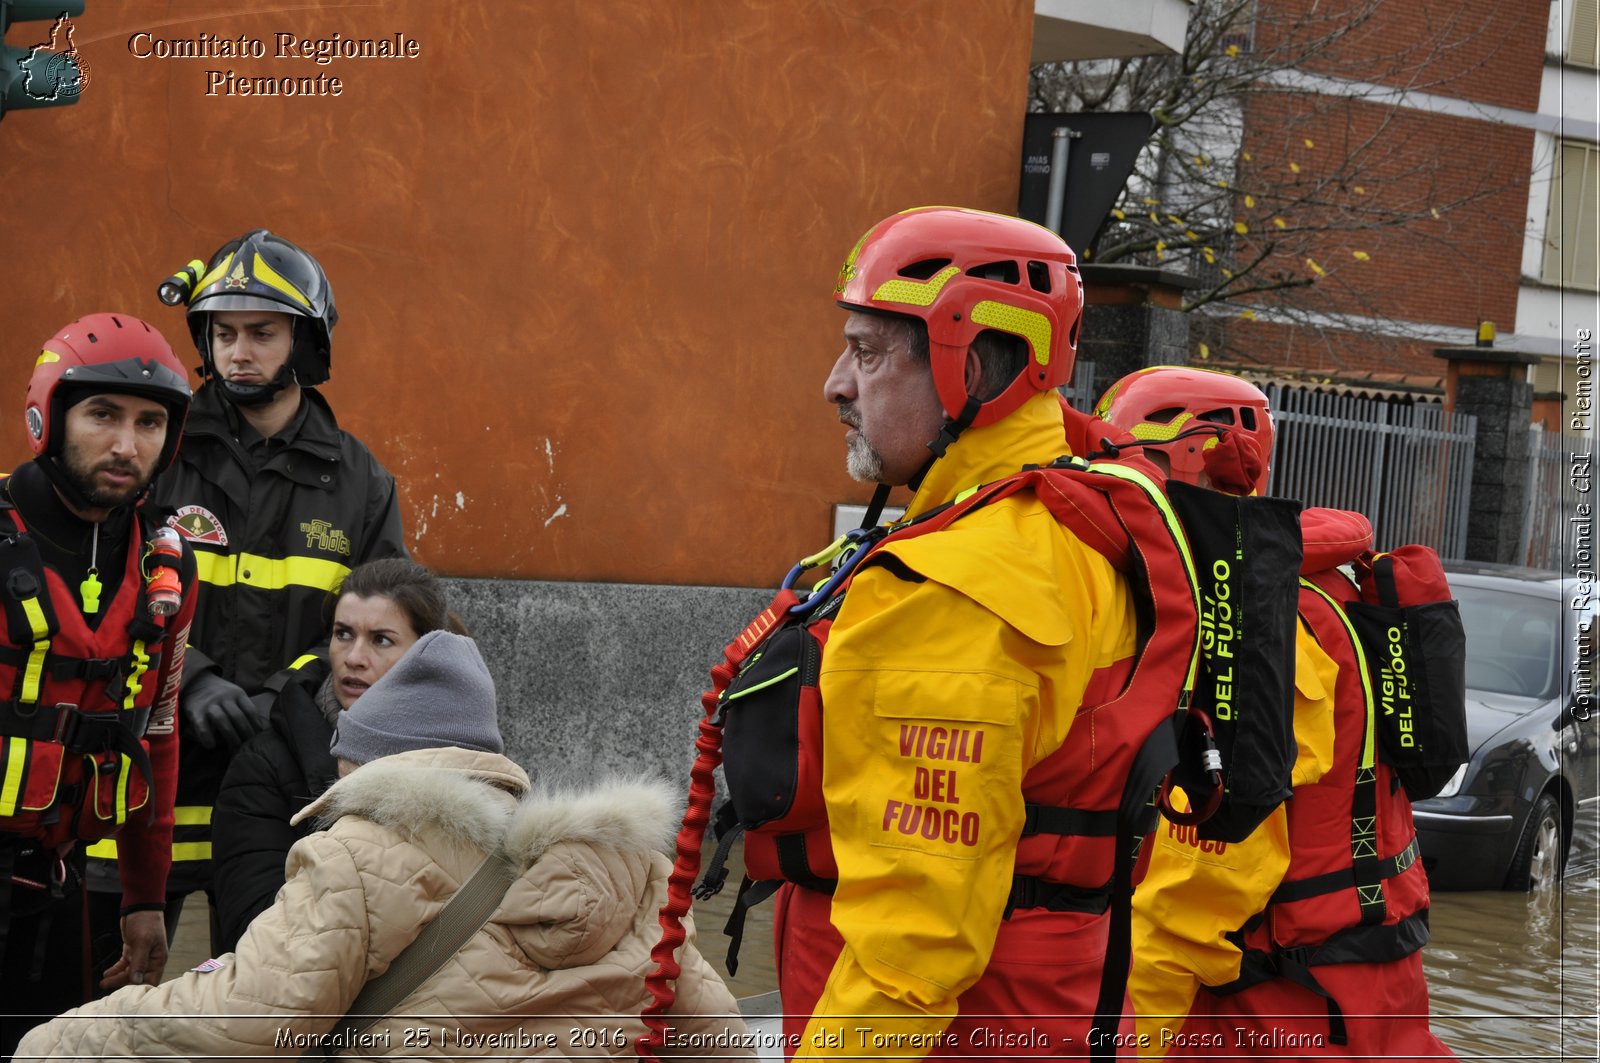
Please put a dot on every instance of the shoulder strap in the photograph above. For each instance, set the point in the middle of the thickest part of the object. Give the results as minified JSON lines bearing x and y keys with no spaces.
{"x":309,"y":669}
{"x":461,"y":917}
{"x":1367,"y":868}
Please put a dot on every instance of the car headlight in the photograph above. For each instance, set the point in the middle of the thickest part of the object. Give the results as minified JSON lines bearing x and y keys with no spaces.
{"x":1454,"y":785}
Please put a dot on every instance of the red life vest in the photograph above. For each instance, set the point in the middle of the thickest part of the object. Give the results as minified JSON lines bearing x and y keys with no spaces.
{"x":1087,"y":806}
{"x":1355,"y":891}
{"x":77,"y":699}
{"x":1326,"y":889}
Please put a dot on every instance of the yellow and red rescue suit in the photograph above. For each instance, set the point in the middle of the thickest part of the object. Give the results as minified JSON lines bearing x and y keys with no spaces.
{"x":1211,"y":920}
{"x":951,"y":679}
{"x":88,"y":738}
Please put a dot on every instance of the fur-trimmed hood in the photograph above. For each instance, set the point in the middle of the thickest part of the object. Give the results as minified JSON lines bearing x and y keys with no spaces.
{"x":486,"y":800}
{"x":587,"y":855}
{"x":566,"y":950}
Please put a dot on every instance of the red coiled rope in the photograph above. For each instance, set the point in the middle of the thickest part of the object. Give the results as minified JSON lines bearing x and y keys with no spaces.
{"x":662,"y":982}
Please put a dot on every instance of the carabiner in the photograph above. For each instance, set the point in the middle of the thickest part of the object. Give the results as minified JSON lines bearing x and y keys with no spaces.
{"x":846,"y":552}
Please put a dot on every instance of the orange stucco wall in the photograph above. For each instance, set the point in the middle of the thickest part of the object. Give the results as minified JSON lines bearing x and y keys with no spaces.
{"x":583,"y":250}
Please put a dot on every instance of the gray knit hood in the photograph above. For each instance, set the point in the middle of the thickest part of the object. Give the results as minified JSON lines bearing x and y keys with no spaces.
{"x":439,"y":694}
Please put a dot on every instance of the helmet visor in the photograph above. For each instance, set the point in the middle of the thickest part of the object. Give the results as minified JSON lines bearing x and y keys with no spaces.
{"x":206,"y":304}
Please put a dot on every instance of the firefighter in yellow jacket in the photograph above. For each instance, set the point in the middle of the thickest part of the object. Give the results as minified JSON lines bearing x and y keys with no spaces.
{"x":953,"y":670}
{"x":1259,"y":947}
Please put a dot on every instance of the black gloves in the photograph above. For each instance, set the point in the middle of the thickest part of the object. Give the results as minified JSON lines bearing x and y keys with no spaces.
{"x":215,"y":710}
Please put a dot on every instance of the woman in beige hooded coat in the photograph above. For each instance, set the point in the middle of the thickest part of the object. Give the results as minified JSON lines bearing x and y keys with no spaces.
{"x":559,"y":968}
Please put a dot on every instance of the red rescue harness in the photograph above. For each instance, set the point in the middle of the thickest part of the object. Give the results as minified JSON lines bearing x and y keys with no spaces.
{"x":1355,"y":891}
{"x":77,"y":699}
{"x":1083,"y":827}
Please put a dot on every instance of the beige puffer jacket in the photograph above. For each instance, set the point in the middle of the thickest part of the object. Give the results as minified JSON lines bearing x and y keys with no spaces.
{"x":557,"y":971}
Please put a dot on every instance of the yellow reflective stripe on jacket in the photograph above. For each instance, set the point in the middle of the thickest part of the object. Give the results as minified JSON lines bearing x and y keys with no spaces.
{"x":34,"y":671}
{"x":191,"y":816}
{"x":182,"y":816}
{"x":141,"y":665}
{"x":11,"y":785}
{"x":106,"y":849}
{"x":1169,"y":517}
{"x":253,"y":570}
{"x":303,"y":660}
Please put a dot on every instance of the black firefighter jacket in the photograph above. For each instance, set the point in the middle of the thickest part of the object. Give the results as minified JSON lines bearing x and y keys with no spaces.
{"x":270,"y":544}
{"x":276,"y":774}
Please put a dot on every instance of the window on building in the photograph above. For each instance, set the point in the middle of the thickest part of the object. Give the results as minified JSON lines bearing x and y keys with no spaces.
{"x":1571,"y":257}
{"x":1583,"y":47}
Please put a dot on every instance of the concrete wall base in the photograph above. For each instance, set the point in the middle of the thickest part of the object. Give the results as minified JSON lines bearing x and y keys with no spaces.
{"x":601,"y":678}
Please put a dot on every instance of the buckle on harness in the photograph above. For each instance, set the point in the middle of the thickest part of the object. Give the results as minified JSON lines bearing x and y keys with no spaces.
{"x":96,"y":668}
{"x":1299,"y":956}
{"x":1024,"y":894}
{"x":67,"y":724}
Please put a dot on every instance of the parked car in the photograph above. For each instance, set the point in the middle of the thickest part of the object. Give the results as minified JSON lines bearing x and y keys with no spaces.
{"x":1525,"y":803}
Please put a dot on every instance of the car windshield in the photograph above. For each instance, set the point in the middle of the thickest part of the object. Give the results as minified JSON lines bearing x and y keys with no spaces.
{"x":1513,"y":642}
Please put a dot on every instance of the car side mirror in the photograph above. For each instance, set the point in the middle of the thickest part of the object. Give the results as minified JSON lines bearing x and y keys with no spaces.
{"x":1579,"y":705}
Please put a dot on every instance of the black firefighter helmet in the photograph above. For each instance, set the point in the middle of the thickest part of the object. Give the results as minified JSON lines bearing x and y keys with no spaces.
{"x":262,"y":271}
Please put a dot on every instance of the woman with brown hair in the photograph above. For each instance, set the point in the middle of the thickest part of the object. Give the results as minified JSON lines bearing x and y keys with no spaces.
{"x":544,"y":955}
{"x":379,"y":611}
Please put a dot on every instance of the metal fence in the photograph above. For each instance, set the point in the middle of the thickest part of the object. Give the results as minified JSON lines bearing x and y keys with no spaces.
{"x":1553,"y":496}
{"x":1406,"y":466}
{"x":1079,"y":392}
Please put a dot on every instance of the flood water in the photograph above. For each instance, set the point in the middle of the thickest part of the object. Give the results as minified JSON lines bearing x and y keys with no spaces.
{"x":1514,"y":976}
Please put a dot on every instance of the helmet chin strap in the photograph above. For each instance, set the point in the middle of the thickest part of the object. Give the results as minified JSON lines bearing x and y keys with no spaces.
{"x":880,"y":496}
{"x":948,"y":434}
{"x":248,"y":394}
{"x":258,"y":394}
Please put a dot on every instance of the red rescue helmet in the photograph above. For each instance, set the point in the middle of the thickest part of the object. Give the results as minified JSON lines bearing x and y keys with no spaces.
{"x":100,"y":353}
{"x":964,"y":271}
{"x":1159,"y":403}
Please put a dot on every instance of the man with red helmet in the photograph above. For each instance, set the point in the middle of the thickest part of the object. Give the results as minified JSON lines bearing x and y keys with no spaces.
{"x":1171,"y":405}
{"x":955,"y":665}
{"x":91,"y":659}
{"x":1211,"y":920}
{"x":278,"y":503}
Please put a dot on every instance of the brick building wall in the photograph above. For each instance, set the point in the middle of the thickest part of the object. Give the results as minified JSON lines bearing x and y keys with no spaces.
{"x":1330,"y":155}
{"x":1490,"y":51}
